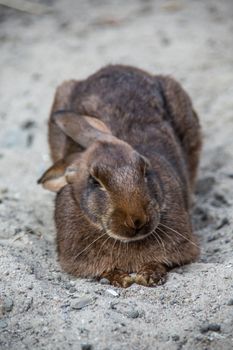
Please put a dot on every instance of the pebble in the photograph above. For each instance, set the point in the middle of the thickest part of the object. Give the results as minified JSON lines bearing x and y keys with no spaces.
{"x":30,"y":286}
{"x":8,"y":305}
{"x":29,"y":230}
{"x":113,"y":305}
{"x":30,"y":269}
{"x":28,"y":124}
{"x":230,"y":302}
{"x":28,"y":304}
{"x":65,"y":305}
{"x":86,"y":346}
{"x":213,"y":327}
{"x":112,"y":292}
{"x":30,"y":139}
{"x":72,"y":290}
{"x":18,"y":230}
{"x":212,"y":238}
{"x":205,"y":185}
{"x":3,"y":324}
{"x":219,"y":200}
{"x":133,"y":314}
{"x":104,"y":281}
{"x":223,"y":222}
{"x":67,"y":285}
{"x":81,"y":303}
{"x":175,"y":337}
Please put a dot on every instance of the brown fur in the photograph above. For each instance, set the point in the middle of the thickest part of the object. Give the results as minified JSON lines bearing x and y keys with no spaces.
{"x":123,"y":174}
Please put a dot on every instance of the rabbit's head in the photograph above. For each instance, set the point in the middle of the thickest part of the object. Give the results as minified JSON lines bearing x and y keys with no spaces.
{"x":112,"y":184}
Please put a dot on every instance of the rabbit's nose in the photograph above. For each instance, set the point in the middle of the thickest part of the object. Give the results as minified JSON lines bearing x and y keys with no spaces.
{"x":135,"y":222}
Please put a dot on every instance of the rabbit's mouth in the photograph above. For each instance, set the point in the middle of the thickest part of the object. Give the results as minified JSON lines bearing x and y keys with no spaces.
{"x":127,"y":239}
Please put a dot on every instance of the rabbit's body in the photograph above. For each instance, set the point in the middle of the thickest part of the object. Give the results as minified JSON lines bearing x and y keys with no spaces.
{"x":138,"y":221}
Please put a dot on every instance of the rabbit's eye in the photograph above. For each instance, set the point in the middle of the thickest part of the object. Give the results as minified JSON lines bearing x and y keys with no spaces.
{"x":94,"y":182}
{"x":146,"y":175}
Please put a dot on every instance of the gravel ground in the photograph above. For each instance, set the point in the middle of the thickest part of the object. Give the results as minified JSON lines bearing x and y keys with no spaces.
{"x":40,"y":306}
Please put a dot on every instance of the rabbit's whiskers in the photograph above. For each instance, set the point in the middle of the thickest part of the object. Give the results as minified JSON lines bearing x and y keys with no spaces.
{"x":102,"y":245}
{"x":159,"y":240}
{"x":178,"y":233}
{"x":89,"y":245}
{"x":172,"y":240}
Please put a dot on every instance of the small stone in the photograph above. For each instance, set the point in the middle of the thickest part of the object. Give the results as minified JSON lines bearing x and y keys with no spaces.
{"x":29,"y":230}
{"x":133,"y":314}
{"x":202,"y":216}
{"x":113,"y":305}
{"x":112,"y":292}
{"x":212,"y":238}
{"x":28,"y":304}
{"x":86,"y":346}
{"x":30,"y":139}
{"x":199,"y":337}
{"x":213,"y":327}
{"x":67,"y":285}
{"x":223,"y":223}
{"x":8,"y":305}
{"x":81,"y":303}
{"x":28,"y":124}
{"x":219,"y":200}
{"x":205,"y":185}
{"x":104,"y":281}
{"x":175,"y":337}
{"x":31,"y":269}
{"x":198,"y":309}
{"x":230,"y":302}
{"x":17,"y":230}
{"x":72,"y":290}
{"x":30,"y":286}
{"x":59,"y":278}
{"x":65,"y":305}
{"x":3,"y":324}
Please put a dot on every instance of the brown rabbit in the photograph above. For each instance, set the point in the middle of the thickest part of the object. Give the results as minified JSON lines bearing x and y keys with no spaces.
{"x":126,"y":147}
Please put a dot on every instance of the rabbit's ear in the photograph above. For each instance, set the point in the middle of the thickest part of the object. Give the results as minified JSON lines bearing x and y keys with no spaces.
{"x":82,"y":129}
{"x":54,"y":178}
{"x":97,"y":124}
{"x":58,"y":175}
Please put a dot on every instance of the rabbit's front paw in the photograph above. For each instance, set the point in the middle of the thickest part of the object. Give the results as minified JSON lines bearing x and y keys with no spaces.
{"x":118,"y":278}
{"x":151,"y":274}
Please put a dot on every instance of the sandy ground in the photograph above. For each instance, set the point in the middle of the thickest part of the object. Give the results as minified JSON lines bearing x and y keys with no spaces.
{"x":43,"y":308}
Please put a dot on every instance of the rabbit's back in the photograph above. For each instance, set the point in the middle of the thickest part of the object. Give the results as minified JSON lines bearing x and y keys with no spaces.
{"x":123,"y":97}
{"x":152,"y":113}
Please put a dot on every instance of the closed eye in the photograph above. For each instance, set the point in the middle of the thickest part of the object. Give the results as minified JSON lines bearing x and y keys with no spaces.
{"x":147,"y":174}
{"x":93,"y":181}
